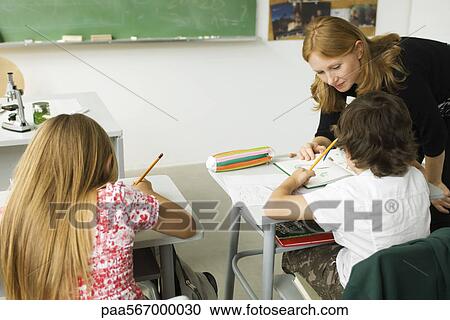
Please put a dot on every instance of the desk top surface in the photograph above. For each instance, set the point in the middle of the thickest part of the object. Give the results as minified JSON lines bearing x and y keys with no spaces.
{"x":256,"y":212}
{"x":149,"y":238}
{"x":90,"y":100}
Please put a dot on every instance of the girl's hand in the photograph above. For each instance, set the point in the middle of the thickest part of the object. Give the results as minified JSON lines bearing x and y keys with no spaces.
{"x":144,"y":186}
{"x":308,"y":150}
{"x":442,"y":205}
{"x":302,"y":176}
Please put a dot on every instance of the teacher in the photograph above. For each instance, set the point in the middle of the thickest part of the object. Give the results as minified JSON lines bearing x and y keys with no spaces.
{"x":347,"y":63}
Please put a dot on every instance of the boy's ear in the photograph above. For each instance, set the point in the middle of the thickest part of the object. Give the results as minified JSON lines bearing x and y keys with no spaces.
{"x":348,"y":157}
{"x":351,"y":163}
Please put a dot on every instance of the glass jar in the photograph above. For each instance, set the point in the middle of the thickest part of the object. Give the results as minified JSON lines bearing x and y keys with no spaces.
{"x":41,"y":112}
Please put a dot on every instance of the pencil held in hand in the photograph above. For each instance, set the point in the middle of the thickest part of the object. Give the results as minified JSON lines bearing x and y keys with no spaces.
{"x":323,"y":154}
{"x":148,"y":170}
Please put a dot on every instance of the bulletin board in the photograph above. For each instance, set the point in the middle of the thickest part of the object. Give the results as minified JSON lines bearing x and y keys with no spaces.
{"x":288,"y":18}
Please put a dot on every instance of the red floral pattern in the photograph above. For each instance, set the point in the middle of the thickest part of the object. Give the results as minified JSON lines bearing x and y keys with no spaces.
{"x":121,"y":211}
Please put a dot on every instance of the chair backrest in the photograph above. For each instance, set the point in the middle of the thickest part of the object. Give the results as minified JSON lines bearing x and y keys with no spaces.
{"x":417,"y":269}
{"x":8,"y":66}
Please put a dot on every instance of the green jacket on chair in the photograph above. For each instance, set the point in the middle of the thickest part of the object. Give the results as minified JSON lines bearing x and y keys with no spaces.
{"x":418,"y":269}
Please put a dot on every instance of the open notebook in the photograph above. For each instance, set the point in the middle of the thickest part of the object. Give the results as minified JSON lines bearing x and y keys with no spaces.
{"x":328,"y":171}
{"x":331,"y":170}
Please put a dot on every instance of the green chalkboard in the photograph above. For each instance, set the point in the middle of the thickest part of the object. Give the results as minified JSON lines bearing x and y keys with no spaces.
{"x":45,"y":20}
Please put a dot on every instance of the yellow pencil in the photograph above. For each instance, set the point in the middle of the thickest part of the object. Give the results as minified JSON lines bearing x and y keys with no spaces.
{"x":323,"y":154}
{"x":148,"y":170}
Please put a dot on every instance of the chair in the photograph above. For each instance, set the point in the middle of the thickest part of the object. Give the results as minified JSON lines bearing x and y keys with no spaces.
{"x":8,"y":66}
{"x":418,"y":269}
{"x":146,"y":272}
{"x":294,"y":287}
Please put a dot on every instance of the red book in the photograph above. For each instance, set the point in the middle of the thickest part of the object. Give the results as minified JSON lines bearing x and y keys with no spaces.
{"x":301,"y":233}
{"x":320,"y":238}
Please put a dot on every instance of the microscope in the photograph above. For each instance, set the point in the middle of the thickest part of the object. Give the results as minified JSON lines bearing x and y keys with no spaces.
{"x":16,"y":121}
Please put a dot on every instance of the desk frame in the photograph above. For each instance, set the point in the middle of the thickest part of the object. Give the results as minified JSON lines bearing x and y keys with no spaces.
{"x":150,"y":238}
{"x":270,"y":248}
{"x":266,"y":229}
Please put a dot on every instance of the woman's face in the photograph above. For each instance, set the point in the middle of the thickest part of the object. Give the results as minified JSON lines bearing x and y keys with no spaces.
{"x":339,"y":72}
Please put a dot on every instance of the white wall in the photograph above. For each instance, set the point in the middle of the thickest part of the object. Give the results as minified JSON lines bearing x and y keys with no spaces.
{"x":430,"y":19}
{"x":393,"y":16}
{"x":224,"y":95}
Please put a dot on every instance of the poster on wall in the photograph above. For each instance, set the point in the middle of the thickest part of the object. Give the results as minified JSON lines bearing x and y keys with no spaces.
{"x":288,"y":18}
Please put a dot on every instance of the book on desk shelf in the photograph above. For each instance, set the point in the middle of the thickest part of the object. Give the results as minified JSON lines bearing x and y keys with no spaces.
{"x":301,"y":233}
{"x":326,"y":171}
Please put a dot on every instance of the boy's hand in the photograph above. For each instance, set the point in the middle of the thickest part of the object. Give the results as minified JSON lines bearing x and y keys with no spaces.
{"x":302,"y":176}
{"x":144,"y":186}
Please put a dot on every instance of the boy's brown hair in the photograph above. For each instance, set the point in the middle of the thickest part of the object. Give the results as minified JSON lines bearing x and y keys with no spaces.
{"x":376,"y":131}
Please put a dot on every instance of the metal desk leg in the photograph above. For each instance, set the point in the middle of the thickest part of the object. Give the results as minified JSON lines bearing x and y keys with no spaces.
{"x":167,"y":272}
{"x":118,"y":146}
{"x":268,"y":261}
{"x":235,"y":216}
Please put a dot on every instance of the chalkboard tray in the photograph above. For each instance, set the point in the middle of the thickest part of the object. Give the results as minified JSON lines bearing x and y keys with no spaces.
{"x":145,"y":20}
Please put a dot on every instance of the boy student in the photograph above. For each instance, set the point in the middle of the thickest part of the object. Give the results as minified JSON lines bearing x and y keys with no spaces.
{"x":384,"y":204}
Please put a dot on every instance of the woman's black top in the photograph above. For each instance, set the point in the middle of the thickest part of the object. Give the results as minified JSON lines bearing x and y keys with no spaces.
{"x":425,"y":91}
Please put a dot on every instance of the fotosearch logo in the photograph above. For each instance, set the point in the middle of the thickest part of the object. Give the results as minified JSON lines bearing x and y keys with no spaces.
{"x":374,"y":213}
{"x":84,"y":215}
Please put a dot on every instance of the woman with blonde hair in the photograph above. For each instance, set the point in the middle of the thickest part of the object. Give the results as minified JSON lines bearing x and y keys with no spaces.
{"x":347,"y":63}
{"x":68,"y":228}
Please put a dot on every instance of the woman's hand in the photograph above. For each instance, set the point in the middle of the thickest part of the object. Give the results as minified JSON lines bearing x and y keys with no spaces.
{"x":433,"y":173}
{"x":308,"y":150}
{"x":302,"y":176}
{"x":442,"y":205}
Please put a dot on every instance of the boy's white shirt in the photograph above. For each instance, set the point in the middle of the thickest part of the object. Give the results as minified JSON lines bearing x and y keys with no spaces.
{"x":410,"y":221}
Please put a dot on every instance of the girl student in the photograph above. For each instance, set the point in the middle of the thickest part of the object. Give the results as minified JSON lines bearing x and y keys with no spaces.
{"x":347,"y":63}
{"x":68,"y":228}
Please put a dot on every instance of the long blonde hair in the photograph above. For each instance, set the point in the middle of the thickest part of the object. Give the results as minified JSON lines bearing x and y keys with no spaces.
{"x":43,"y":254}
{"x":381,"y":68}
